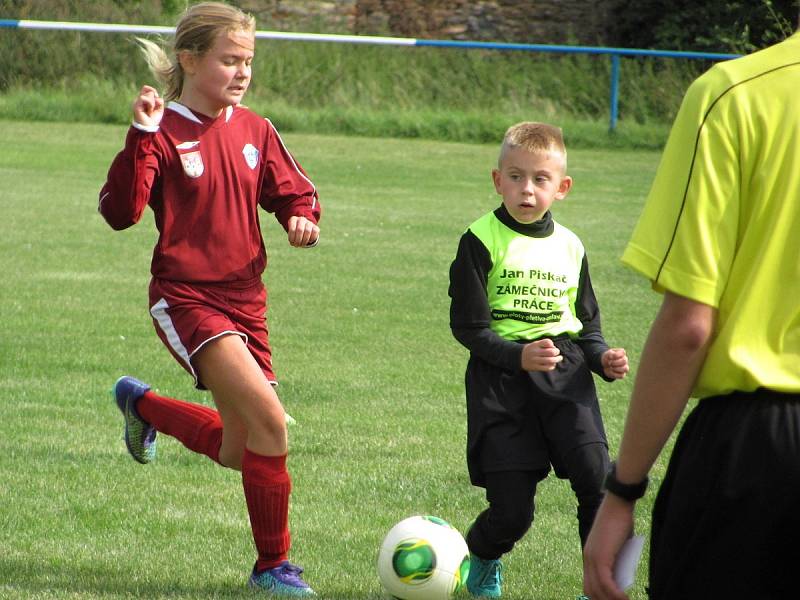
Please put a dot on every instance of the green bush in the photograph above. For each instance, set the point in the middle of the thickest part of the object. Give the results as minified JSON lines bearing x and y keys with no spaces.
{"x":50,"y":59}
{"x":443,"y":93}
{"x":313,"y":75}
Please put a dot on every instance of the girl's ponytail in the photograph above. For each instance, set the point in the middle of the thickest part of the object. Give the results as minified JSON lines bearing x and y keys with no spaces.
{"x":168,"y":73}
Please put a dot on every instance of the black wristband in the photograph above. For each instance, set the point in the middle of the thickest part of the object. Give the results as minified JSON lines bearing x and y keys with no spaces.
{"x":627,"y":491}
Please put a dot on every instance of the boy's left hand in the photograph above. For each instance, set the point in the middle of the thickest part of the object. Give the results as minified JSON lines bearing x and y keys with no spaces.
{"x":615,"y":363}
{"x":302,"y":232}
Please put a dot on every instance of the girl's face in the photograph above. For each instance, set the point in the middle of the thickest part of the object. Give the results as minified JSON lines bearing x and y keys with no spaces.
{"x":220,"y":77}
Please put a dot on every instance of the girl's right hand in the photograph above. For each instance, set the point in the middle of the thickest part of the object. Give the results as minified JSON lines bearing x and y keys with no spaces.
{"x":148,"y":108}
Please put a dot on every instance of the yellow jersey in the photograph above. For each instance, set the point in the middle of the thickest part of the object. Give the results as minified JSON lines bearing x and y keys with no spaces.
{"x":721,"y":224}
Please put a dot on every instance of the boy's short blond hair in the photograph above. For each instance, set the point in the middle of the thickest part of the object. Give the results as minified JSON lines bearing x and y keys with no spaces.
{"x":537,"y":138}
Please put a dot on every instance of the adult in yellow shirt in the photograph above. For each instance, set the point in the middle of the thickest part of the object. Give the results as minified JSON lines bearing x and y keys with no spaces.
{"x":720,"y":238}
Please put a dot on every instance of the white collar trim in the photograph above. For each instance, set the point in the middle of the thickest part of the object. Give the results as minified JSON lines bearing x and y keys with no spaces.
{"x":188,"y":114}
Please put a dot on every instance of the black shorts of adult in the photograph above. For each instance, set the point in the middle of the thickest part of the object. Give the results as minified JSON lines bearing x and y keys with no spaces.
{"x":528,"y":421}
{"x":726,"y":520}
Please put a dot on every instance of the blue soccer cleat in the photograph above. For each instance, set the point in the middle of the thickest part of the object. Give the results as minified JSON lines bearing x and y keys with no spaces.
{"x":484,"y":577}
{"x":140,"y":436}
{"x":283,"y":580}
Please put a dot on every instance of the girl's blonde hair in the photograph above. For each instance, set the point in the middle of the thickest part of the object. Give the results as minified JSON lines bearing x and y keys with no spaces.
{"x":196,"y":32}
{"x":536,"y":138}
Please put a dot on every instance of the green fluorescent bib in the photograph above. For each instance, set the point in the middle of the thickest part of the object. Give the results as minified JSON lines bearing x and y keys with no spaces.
{"x":533,"y":283}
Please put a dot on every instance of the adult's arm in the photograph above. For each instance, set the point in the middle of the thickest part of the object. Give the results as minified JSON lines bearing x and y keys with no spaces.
{"x":673,"y":355}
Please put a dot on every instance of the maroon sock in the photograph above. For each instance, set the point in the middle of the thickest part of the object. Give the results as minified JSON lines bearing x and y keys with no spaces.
{"x":267,"y":486}
{"x":197,"y":427}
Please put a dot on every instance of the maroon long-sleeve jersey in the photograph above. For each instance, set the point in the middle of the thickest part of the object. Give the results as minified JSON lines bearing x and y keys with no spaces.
{"x":204,"y":179}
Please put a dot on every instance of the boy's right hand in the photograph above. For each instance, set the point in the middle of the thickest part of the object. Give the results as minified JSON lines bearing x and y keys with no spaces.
{"x":541,"y":355}
{"x":148,"y":108}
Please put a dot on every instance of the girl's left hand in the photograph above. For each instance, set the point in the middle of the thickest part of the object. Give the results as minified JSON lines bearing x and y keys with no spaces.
{"x":302,"y":232}
{"x":615,"y":363}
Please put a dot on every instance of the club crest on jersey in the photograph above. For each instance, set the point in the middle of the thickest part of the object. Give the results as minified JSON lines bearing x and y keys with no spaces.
{"x":250,"y":155}
{"x":192,"y":163}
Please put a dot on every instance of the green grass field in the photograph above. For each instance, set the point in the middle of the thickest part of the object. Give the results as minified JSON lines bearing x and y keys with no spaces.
{"x":367,"y":366}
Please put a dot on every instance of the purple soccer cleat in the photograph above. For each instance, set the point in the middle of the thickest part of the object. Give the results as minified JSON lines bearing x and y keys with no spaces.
{"x":140,"y":436}
{"x":283,"y":580}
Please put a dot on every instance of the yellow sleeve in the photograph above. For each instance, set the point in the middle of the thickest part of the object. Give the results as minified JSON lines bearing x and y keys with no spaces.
{"x":685,"y":239}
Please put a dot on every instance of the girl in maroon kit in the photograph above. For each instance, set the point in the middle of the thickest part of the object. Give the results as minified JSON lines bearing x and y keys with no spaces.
{"x":204,"y":164}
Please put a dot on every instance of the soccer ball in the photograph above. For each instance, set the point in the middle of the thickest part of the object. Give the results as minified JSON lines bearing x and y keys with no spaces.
{"x":423,"y":558}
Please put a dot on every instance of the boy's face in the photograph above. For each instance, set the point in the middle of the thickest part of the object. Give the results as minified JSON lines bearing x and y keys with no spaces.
{"x":530,"y":182}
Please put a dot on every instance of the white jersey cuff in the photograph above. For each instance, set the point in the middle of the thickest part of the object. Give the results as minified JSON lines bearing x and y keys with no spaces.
{"x":147,"y":128}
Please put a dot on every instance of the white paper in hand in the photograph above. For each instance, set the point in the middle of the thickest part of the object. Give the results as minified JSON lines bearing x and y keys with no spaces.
{"x":628,"y":561}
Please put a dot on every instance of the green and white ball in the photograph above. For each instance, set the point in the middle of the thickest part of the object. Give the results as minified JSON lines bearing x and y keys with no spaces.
{"x":423,"y":558}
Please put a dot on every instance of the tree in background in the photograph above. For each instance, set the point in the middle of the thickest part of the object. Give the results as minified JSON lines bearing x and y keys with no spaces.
{"x":739,"y":26}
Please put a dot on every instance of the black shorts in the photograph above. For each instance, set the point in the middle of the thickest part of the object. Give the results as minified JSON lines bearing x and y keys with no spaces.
{"x":726,"y":521}
{"x":518,"y":420}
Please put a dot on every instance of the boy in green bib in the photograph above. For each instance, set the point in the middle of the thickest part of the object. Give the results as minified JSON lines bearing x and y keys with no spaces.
{"x":522,"y":303}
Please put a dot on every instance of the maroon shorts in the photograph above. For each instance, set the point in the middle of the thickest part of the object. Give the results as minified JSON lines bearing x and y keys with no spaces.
{"x":187,"y":316}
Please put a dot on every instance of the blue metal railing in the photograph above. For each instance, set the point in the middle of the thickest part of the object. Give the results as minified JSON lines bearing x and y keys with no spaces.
{"x":614,"y":53}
